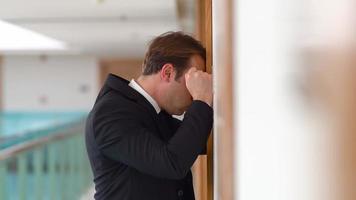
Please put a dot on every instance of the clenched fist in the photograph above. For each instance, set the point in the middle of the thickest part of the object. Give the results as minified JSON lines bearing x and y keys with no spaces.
{"x":199,"y":85}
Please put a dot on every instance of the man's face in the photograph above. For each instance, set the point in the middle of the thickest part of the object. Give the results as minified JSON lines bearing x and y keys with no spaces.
{"x":178,"y":96}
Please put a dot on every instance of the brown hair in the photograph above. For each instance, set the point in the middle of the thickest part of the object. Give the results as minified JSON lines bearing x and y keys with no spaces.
{"x":171,"y":47}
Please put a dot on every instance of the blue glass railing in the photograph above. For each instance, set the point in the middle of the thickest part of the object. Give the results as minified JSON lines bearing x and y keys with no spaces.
{"x":47,"y":163}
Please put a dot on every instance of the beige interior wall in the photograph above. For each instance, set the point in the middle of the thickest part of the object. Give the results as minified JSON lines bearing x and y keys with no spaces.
{"x":223,"y":100}
{"x":203,"y":167}
{"x":332,"y":89}
{"x":126,"y":68}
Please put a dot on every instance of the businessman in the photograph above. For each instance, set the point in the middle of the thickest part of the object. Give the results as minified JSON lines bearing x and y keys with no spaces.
{"x":137,"y":150}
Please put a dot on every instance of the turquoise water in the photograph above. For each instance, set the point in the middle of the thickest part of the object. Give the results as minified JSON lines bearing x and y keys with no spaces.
{"x":12,"y":186}
{"x":62,"y":184}
{"x":17,"y":127}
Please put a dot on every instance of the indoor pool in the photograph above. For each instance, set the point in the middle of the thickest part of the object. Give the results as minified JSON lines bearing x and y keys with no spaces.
{"x":53,"y":169}
{"x":17,"y":127}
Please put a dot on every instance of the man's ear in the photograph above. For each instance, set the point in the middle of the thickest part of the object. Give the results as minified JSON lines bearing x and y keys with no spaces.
{"x":167,"y":72}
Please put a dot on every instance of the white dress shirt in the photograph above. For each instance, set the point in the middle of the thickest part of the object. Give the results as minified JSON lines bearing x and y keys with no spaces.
{"x":139,"y":89}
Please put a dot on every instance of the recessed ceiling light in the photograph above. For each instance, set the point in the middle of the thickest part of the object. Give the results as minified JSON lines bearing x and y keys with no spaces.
{"x":15,"y":38}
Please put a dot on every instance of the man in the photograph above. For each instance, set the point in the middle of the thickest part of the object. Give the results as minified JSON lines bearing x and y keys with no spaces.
{"x":137,"y":150}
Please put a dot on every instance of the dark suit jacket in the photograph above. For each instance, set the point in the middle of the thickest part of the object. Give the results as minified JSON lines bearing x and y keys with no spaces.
{"x":137,"y":154}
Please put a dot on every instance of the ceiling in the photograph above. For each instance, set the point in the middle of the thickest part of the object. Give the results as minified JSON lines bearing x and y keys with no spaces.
{"x":119,"y":28}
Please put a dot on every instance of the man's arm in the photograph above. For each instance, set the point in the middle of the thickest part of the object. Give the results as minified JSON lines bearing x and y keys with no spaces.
{"x":123,"y":139}
{"x":176,"y":123}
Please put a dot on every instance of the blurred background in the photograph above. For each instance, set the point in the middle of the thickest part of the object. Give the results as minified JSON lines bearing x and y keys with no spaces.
{"x":284,"y":92}
{"x":54,"y":57}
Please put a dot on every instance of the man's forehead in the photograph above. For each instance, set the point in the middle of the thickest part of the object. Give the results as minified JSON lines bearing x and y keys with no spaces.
{"x":197,"y":62}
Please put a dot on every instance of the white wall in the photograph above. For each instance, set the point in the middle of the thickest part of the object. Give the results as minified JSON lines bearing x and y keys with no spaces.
{"x":274,"y":139}
{"x":53,"y":83}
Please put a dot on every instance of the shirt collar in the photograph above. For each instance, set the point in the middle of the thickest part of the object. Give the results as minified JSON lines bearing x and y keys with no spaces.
{"x":139,"y":89}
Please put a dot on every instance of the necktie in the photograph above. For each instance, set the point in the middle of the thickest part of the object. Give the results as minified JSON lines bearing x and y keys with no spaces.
{"x":163,"y":124}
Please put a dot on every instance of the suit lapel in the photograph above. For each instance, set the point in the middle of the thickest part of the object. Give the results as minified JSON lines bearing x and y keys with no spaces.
{"x":161,"y":121}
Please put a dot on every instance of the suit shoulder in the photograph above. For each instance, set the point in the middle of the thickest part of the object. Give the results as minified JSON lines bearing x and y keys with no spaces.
{"x":114,"y":101}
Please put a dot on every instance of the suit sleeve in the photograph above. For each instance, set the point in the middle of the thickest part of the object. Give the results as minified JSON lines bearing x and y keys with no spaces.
{"x":124,"y":140}
{"x":176,"y":123}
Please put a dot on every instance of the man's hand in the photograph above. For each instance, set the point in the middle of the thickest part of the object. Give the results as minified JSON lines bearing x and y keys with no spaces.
{"x":199,"y":84}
